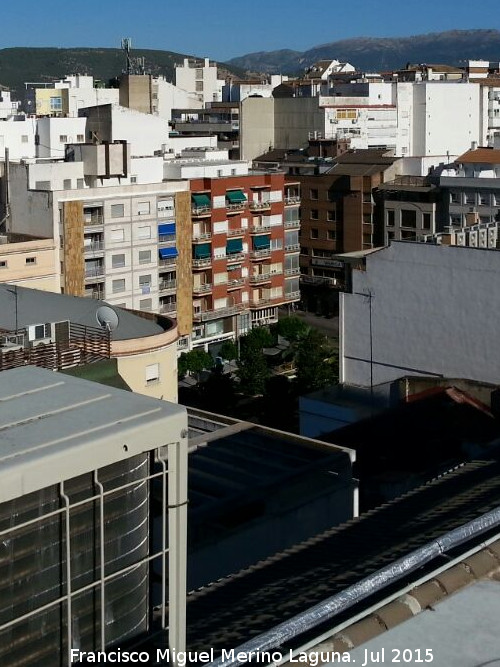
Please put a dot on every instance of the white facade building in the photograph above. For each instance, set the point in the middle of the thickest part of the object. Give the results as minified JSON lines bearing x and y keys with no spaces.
{"x":54,"y":133}
{"x":170,"y":97}
{"x":17,"y":133}
{"x":204,"y":163}
{"x":8,"y":107}
{"x":421,"y":309}
{"x":199,"y":77}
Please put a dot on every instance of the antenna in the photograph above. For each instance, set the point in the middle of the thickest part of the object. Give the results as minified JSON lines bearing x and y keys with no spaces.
{"x":126,"y":46}
{"x":107,"y":318}
{"x":134,"y":65}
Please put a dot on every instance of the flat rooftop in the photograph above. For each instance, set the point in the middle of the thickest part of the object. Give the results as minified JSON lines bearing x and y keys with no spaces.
{"x":55,"y":427}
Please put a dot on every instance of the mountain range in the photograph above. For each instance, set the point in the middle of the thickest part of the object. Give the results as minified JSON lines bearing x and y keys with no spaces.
{"x":453,"y":47}
{"x":21,"y":64}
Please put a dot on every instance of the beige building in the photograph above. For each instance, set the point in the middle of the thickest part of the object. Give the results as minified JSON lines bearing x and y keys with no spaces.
{"x":29,"y":262}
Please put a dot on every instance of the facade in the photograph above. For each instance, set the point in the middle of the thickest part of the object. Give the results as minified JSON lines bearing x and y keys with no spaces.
{"x":29,"y":262}
{"x":65,"y":97}
{"x":219,"y":119}
{"x":420,"y":309}
{"x":245,"y":246}
{"x":199,"y":78}
{"x":17,"y":134}
{"x":8,"y":107}
{"x":84,"y":519}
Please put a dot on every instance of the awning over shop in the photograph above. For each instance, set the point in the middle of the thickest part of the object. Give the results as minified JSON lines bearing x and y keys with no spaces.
{"x":234,"y":246}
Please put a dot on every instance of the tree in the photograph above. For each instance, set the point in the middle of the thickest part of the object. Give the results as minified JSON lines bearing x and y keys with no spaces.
{"x":292,"y":328}
{"x":228,"y":350}
{"x":317,"y":362}
{"x":218,"y":393}
{"x":195,"y":362}
{"x":258,"y":336}
{"x":252,"y":366}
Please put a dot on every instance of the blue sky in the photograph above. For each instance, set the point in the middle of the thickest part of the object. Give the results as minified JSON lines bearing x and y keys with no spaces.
{"x":222,"y":29}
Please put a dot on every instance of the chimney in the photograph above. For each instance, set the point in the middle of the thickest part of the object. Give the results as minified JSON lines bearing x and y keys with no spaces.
{"x":473,"y":145}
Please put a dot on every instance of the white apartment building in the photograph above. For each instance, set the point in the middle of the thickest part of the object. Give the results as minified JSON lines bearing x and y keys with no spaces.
{"x":236,"y":90}
{"x":203,"y":162}
{"x":8,"y":107}
{"x":53,"y":134}
{"x":166,"y":97}
{"x":421,"y":309}
{"x":199,"y":77}
{"x":66,"y":96}
{"x":17,"y":133}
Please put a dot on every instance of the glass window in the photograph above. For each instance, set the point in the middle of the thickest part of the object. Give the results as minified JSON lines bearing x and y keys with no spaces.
{"x":152,"y":373}
{"x":314,"y":233}
{"x":117,"y":261}
{"x":144,"y":256}
{"x":117,"y":235}
{"x":390,"y":218}
{"x":117,"y":210}
{"x":118,"y":285}
{"x":144,"y":233}
{"x":313,"y":193}
{"x":408,"y":218}
{"x":314,"y":214}
{"x":145,"y":304}
{"x":145,"y":281}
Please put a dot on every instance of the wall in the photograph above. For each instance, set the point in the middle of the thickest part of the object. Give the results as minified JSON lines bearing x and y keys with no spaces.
{"x":294,"y":119}
{"x":31,"y":211}
{"x":256,"y":127}
{"x":73,"y":259}
{"x":434,"y":311}
{"x":43,"y":274}
{"x":184,"y":267}
{"x":19,"y":137}
{"x":50,"y":131}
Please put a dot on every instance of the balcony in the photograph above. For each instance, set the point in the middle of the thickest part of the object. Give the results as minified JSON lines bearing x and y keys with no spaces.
{"x":236,"y":232}
{"x":294,"y":247}
{"x":292,"y":296}
{"x":259,"y":278}
{"x":201,"y":211}
{"x":168,"y":307}
{"x":94,"y":293}
{"x":259,"y":205}
{"x":166,"y":286}
{"x":167,"y":261}
{"x":292,"y":224}
{"x":93,"y":219}
{"x":165,"y":239}
{"x":264,"y":253}
{"x":202,"y":236}
{"x":258,"y":303}
{"x":202,"y":262}
{"x":236,"y":207}
{"x":206,"y":315}
{"x":202,"y":289}
{"x":235,"y":258}
{"x":235,"y":283}
{"x":94,"y":272}
{"x":291,"y":200}
{"x":93,"y":248}
{"x":292,"y":272}
{"x":260,"y":229}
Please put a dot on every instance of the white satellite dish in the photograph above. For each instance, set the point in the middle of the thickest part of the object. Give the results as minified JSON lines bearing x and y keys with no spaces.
{"x":107,"y":318}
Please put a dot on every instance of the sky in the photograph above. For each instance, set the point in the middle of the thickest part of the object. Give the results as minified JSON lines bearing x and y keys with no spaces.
{"x":223,"y":29}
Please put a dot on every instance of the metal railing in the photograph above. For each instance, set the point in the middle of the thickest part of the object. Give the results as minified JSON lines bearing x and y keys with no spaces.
{"x":206,"y":287}
{"x":260,"y":229}
{"x":292,"y":272}
{"x":260,"y":254}
{"x":295,"y":199}
{"x":165,"y":285}
{"x":95,"y":272}
{"x":260,"y":278}
{"x":97,"y":246}
{"x":94,"y":219}
{"x":236,"y":232}
{"x":168,"y":307}
{"x":236,"y":206}
{"x":167,"y":261}
{"x":259,"y":205}
{"x":219,"y":312}
{"x":201,"y":210}
{"x":166,"y":238}
{"x":202,"y":236}
{"x":292,"y":248}
{"x":292,"y":224}
{"x":236,"y":257}
{"x":292,"y":296}
{"x":203,"y":261}
{"x":236,"y":282}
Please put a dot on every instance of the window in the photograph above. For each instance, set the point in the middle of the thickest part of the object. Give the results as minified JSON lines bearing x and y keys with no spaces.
{"x":67,"y":184}
{"x":331,"y":216}
{"x":145,"y":304}
{"x":118,"y":285}
{"x":117,"y":235}
{"x":199,"y":86}
{"x":390,"y":218}
{"x":313,"y":193}
{"x":331,"y":234}
{"x":143,"y":208}
{"x":426,"y":220}
{"x":133,"y":179}
{"x":24,"y":138}
{"x":42,"y":331}
{"x":145,"y":283}
{"x":117,"y":261}
{"x":470,"y":198}
{"x":80,"y":183}
{"x":30,"y":260}
{"x":314,"y":214}
{"x":144,"y":233}
{"x":276,"y":244}
{"x":42,"y":185}
{"x":144,"y":256}
{"x":152,"y":374}
{"x":3,"y":264}
{"x":408,"y":218}
{"x":63,"y":138}
{"x":117,"y":210}
{"x":55,"y":103}
{"x":314,"y":233}
{"x":454,"y":197}
{"x":80,"y":138}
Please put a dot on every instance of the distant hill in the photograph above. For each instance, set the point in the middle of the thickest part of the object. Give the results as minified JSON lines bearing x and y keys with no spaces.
{"x":370,"y":53}
{"x":19,"y":65}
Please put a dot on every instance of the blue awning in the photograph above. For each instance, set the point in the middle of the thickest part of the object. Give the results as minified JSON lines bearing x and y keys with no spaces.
{"x":261,"y":242}
{"x":168,"y":252}
{"x":234,"y":245}
{"x":166,"y":229}
{"x":202,"y":251}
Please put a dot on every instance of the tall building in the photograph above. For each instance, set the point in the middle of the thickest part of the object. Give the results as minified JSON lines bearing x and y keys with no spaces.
{"x":93,"y":536}
{"x":199,"y":77}
{"x":245,"y":249}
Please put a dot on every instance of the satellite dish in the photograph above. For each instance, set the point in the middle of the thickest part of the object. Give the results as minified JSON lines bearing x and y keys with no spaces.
{"x":107,"y":318}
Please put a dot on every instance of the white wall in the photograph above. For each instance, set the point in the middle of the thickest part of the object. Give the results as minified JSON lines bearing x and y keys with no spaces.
{"x":19,"y":137}
{"x":50,"y":131}
{"x":145,"y":133}
{"x":435,"y":310}
{"x":171,"y":97}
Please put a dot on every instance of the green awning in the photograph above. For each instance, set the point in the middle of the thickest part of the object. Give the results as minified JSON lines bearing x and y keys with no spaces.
{"x":234,"y":246}
{"x":261,"y":242}
{"x":200,"y":200}
{"x":236,"y":196}
{"x":202,"y":251}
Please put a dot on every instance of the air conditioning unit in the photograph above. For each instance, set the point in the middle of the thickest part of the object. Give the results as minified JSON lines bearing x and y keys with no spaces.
{"x":41,"y":342}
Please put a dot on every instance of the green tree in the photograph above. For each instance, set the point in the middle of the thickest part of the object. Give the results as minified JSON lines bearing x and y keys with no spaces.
{"x":218,"y":393}
{"x":252,"y":366}
{"x":229,"y":350}
{"x":292,"y":328}
{"x":317,"y":362}
{"x":259,"y":336}
{"x":195,"y":362}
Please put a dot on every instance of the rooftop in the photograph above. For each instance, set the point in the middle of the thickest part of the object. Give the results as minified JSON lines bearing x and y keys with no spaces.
{"x":480,"y":155}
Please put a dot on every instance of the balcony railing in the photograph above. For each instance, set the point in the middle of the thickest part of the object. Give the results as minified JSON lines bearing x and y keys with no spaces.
{"x":94,"y":272}
{"x":167,"y":261}
{"x":219,"y":312}
{"x":167,"y":285}
{"x":202,"y":236}
{"x":260,"y":229}
{"x":236,"y":257}
{"x":292,"y":224}
{"x":236,"y":232}
{"x":203,"y":261}
{"x":292,"y":272}
{"x":293,"y":199}
{"x":166,"y":238}
{"x":260,"y":254}
{"x":168,"y":307}
{"x":201,"y":210}
{"x":236,"y":282}
{"x":259,"y":205}
{"x":202,"y":289}
{"x":94,"y":219}
{"x":292,"y":296}
{"x":236,"y":206}
{"x":260,"y":278}
{"x":94,"y":294}
{"x":97,"y":246}
{"x":292,"y":247}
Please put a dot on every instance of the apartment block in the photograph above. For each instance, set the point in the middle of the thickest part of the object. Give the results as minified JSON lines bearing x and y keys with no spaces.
{"x":245,"y":251}
{"x":199,"y":77}
{"x":30,"y":262}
